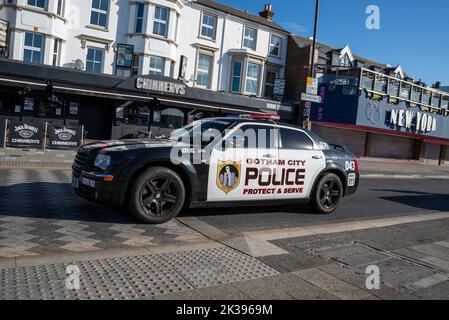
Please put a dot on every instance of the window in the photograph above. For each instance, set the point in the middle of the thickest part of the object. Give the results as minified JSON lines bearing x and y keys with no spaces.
{"x":236,"y":76}
{"x":203,"y":70}
{"x":294,"y":140}
{"x":94,"y":60}
{"x":56,"y":52}
{"x":345,"y":61}
{"x":256,"y":136}
{"x":99,"y":13}
{"x":140,"y":9}
{"x":161,"y":16}
{"x":157,"y":66}
{"x":269,"y":84}
{"x":33,"y":47}
{"x":208,"y":25}
{"x":37,"y":3}
{"x":252,"y":78}
{"x":249,"y":38}
{"x":60,"y":8}
{"x":275,"y":46}
{"x":135,"y":67}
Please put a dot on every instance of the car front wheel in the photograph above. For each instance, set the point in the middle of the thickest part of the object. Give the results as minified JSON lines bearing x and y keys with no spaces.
{"x":157,"y":195}
{"x":328,"y":194}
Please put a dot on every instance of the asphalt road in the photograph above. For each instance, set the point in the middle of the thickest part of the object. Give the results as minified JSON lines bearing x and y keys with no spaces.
{"x":375,"y":198}
{"x":39,"y":213}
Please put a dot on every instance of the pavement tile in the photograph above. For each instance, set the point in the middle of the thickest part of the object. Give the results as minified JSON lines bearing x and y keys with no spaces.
{"x":223,"y":292}
{"x":433,"y":250}
{"x":285,"y":286}
{"x":334,"y":286}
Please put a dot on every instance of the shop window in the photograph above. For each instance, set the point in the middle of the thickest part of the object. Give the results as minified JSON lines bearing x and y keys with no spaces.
{"x":94,"y":60}
{"x":33,"y":47}
{"x":37,"y":3}
{"x":208,"y":26}
{"x":99,"y":13}
{"x":204,"y":70}
{"x":140,"y":10}
{"x":161,"y":18}
{"x":236,"y":76}
{"x":172,"y":118}
{"x":275,"y":45}
{"x":157,"y":66}
{"x":269,"y":83}
{"x":249,"y":38}
{"x":136,"y":114}
{"x":252,"y":79}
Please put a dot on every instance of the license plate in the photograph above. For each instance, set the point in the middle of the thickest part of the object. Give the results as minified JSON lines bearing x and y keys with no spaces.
{"x":351,"y":179}
{"x":75,"y":183}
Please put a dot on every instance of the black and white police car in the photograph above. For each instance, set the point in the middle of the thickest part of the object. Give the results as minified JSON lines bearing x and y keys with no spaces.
{"x":216,"y":162}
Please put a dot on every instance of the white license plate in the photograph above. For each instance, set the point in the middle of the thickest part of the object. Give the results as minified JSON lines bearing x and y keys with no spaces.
{"x":351,"y":179}
{"x":75,"y":183}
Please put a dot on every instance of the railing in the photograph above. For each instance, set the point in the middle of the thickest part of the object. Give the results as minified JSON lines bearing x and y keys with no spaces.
{"x":385,"y":85}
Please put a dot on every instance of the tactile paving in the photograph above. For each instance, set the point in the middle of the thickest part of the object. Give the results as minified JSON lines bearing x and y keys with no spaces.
{"x":134,"y":277}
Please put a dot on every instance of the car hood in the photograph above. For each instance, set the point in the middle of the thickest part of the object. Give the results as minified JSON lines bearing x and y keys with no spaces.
{"x":123,"y":145}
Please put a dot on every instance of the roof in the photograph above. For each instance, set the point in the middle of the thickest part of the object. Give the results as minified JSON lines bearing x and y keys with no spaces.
{"x":241,"y":14}
{"x":302,"y":42}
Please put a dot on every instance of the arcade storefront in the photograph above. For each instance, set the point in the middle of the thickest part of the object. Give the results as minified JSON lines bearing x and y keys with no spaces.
{"x":385,"y":119}
{"x":111,"y":106}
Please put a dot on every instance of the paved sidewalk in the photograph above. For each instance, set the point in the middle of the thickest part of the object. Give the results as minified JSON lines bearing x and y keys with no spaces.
{"x":35,"y":158}
{"x":413,"y":264}
{"x":381,"y":167}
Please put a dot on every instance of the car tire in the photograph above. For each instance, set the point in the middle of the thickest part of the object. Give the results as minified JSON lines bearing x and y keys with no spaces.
{"x":327,"y":194}
{"x":157,"y":195}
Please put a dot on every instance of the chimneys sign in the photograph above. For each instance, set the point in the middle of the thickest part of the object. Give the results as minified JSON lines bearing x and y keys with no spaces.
{"x":410,"y":119}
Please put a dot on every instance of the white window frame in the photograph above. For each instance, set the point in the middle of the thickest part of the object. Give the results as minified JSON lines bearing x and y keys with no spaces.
{"x":34,"y":49}
{"x":253,"y":39}
{"x":247,"y":77}
{"x":209,"y":72}
{"x":157,"y":71}
{"x":160,"y":21}
{"x":60,"y":7}
{"x":56,"y":54}
{"x":139,"y":18}
{"x":100,"y":12}
{"x":274,"y":46}
{"x":34,"y":4}
{"x":94,"y":61}
{"x":207,"y":26}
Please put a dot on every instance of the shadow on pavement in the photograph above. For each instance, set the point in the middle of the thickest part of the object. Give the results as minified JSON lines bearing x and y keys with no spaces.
{"x":417,"y":199}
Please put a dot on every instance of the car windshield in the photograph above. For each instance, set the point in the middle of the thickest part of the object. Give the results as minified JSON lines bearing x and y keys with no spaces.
{"x":204,"y":131}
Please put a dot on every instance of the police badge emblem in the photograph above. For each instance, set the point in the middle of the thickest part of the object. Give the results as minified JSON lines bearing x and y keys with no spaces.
{"x":228,"y":175}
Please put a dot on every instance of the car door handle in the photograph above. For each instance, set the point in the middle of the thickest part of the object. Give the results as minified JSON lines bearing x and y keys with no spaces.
{"x":317,"y":157}
{"x":269,"y":156}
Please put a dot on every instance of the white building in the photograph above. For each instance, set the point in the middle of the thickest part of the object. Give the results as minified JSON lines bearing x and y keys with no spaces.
{"x":208,"y":44}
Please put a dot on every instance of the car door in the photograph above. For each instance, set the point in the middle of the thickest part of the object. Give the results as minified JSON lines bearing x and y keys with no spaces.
{"x":242,"y":165}
{"x":300,"y":163}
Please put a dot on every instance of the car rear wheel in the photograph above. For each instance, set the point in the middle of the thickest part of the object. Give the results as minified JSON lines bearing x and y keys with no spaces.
{"x":157,"y":195}
{"x":328,"y":194}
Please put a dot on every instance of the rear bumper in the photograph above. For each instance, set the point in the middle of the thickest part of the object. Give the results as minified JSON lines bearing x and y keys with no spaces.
{"x":96,"y":188}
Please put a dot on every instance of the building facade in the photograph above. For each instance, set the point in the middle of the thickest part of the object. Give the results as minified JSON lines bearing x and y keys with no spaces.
{"x":230,"y":62}
{"x":375,"y":109}
{"x":209,"y":45}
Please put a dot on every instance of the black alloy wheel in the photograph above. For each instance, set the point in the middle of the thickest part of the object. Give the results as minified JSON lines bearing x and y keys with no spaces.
{"x":157,"y":196}
{"x":328,"y":194}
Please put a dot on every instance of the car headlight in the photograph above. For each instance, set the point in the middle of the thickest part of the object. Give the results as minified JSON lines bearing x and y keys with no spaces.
{"x":102,"y":161}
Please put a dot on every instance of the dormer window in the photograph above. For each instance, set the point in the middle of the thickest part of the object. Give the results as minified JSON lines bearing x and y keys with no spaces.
{"x":345,"y":61}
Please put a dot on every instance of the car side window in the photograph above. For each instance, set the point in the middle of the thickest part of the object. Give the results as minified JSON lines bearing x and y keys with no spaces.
{"x":294,"y":140}
{"x":255,"y":136}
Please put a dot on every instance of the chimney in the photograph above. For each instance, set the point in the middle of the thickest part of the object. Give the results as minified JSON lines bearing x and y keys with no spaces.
{"x":437,"y":85}
{"x":267,"y":12}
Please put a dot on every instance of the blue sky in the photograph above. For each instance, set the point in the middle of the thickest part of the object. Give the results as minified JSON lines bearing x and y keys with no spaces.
{"x":414,"y":33}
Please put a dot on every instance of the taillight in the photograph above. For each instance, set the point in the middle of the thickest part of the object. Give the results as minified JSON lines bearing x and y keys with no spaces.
{"x":357,"y":169}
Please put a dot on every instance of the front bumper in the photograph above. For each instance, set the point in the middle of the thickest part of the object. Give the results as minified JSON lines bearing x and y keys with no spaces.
{"x":96,"y":187}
